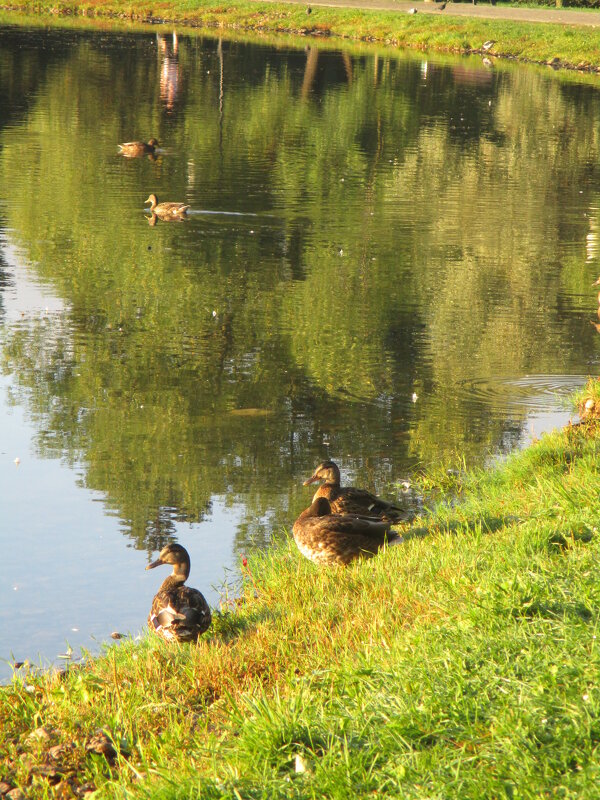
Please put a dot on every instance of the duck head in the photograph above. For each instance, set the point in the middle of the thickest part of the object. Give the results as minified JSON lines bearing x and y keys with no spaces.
{"x":176,"y":555}
{"x":327,"y":471}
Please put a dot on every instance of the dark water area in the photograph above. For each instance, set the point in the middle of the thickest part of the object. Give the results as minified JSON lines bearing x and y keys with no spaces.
{"x":388,"y":261}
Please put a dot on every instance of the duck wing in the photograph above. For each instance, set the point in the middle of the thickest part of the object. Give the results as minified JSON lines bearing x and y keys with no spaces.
{"x":173,"y":209}
{"x":349,"y":500}
{"x":359,"y":525}
{"x":165,"y":617}
{"x":340,"y":538}
{"x":180,"y":613}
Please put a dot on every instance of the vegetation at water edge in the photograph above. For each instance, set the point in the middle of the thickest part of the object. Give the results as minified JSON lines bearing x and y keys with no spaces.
{"x":464,"y":663}
{"x":562,"y":45}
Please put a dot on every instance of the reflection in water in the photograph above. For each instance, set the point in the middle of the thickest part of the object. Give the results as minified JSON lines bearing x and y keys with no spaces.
{"x":153,"y":219}
{"x":385,"y":227}
{"x":169,"y":69}
{"x":591,"y":240}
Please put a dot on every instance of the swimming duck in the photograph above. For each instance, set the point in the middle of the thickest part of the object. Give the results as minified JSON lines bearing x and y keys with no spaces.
{"x":134,"y":149}
{"x":178,"y":612}
{"x":166,"y":210}
{"x":327,"y":538}
{"x":347,"y":499}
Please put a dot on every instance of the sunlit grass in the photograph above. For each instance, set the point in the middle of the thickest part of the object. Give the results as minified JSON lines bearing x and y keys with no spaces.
{"x":461,"y":664}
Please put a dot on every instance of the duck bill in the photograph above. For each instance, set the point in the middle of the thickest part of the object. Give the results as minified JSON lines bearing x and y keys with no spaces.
{"x":156,"y":563}
{"x":312,"y":479}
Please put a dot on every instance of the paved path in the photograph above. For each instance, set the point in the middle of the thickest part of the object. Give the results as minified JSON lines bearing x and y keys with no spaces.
{"x":565,"y":16}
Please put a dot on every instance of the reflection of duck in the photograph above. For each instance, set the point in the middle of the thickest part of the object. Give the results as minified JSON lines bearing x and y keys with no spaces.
{"x":347,"y":499}
{"x":327,"y":538}
{"x":166,"y":210}
{"x":135,"y":149}
{"x":154,"y":218}
{"x":178,"y":612}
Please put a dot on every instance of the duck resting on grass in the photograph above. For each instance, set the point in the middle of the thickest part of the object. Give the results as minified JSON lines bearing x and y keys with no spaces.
{"x":178,"y":613}
{"x":166,"y":210}
{"x":347,"y":499}
{"x":327,"y":538}
{"x":135,"y":149}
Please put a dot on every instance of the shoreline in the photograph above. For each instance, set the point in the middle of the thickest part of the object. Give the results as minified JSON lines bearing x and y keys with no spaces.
{"x":560,"y":38}
{"x":479,"y":628}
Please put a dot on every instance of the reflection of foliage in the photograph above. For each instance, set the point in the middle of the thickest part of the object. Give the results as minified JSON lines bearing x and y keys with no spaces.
{"x":391,"y":250}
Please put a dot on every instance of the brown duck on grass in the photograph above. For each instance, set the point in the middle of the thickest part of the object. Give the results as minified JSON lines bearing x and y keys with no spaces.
{"x":178,"y":613}
{"x":347,"y":499}
{"x":136,"y":149}
{"x":166,"y":210}
{"x":327,"y":538}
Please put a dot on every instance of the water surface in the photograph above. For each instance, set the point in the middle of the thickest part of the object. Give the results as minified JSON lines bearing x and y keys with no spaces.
{"x":388,"y":261}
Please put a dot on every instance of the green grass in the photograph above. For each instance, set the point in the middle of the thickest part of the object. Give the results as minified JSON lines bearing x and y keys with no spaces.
{"x":461,"y":664}
{"x":573,"y":46}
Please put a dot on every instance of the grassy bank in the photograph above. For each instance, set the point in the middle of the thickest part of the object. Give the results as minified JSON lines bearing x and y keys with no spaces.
{"x":463,"y":663}
{"x":569,"y":46}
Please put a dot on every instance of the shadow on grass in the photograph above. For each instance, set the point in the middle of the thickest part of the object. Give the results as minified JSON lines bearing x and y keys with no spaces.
{"x":229,"y":624}
{"x":483,"y":524}
{"x":530,"y":609}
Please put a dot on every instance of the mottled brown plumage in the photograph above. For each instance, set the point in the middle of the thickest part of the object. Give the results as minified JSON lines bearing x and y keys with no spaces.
{"x":136,"y":149}
{"x":166,"y":210}
{"x":178,"y":612}
{"x":327,"y":538}
{"x":347,"y":499}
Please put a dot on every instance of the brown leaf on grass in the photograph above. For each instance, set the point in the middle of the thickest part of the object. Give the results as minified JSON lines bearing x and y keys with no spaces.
{"x":64,"y":791}
{"x":85,"y":789}
{"x":42,"y":735}
{"x":4,"y":787}
{"x":102,"y":744}
{"x":15,"y":794}
{"x":59,"y":750}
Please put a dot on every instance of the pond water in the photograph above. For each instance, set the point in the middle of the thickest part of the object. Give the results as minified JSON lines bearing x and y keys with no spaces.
{"x":388,"y":260}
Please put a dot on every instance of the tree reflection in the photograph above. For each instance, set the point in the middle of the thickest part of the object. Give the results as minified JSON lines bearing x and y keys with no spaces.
{"x":407,"y":238}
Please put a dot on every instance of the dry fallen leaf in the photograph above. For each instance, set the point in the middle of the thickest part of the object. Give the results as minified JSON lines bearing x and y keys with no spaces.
{"x":42,"y":734}
{"x":102,"y":744}
{"x":15,"y":794}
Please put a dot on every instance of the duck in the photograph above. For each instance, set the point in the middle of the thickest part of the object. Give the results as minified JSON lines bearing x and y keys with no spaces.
{"x":134,"y":149}
{"x":166,"y":210}
{"x":327,"y":538}
{"x":347,"y":499}
{"x":178,"y":612}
